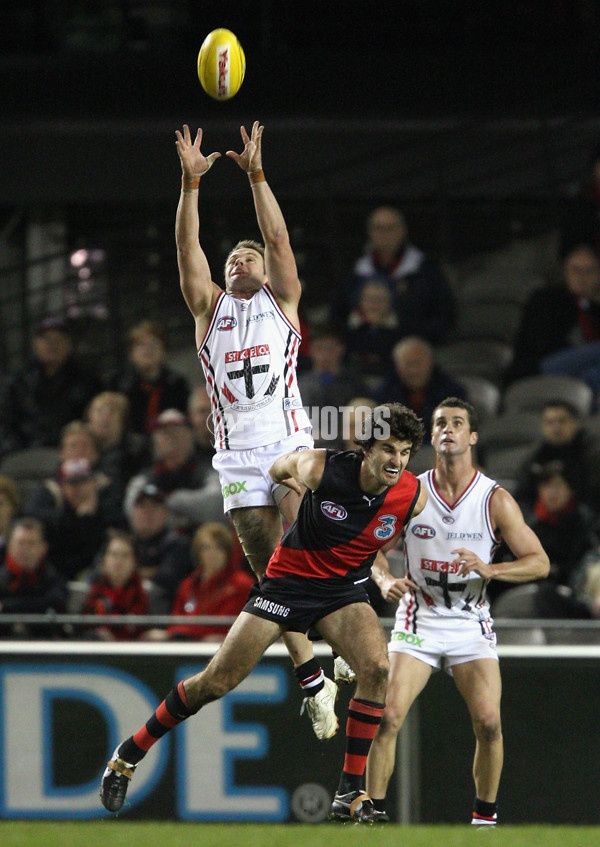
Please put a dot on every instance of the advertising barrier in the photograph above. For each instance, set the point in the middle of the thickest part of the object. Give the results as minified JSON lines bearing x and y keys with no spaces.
{"x":250,"y":756}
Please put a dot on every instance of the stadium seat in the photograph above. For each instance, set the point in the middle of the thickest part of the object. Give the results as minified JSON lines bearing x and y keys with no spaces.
{"x":592,"y":425}
{"x":531,"y":393}
{"x":186,"y":363}
{"x":517,"y":602}
{"x":506,"y":462}
{"x":483,"y":394}
{"x":422,"y":461}
{"x":487,"y":358}
{"x":488,"y":318}
{"x":516,"y":429}
{"x":33,"y":463}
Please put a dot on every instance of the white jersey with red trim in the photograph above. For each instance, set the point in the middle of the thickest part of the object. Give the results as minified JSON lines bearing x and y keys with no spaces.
{"x":249,"y":355}
{"x":430,"y":539}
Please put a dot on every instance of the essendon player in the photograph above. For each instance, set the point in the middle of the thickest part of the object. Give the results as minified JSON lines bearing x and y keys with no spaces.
{"x":444,"y":620}
{"x":356,"y":502}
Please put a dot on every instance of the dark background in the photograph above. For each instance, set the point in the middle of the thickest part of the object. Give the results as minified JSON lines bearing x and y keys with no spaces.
{"x":477,"y":119}
{"x":403,"y":59}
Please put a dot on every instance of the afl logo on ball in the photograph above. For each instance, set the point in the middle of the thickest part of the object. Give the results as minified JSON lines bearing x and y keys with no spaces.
{"x":333,"y":511}
{"x":421,"y":530}
{"x":226,"y":323}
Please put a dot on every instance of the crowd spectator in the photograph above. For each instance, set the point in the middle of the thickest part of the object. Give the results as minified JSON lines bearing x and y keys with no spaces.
{"x":570,"y":310}
{"x":358,"y":411}
{"x":421,"y":294}
{"x":163,"y":554}
{"x":565,"y":528}
{"x":148,"y":381}
{"x":417,"y":381}
{"x":372,"y":332}
{"x":585,"y":587}
{"x":581,"y":214}
{"x":122,"y":453}
{"x":181,"y":472}
{"x":200,"y":418}
{"x":41,"y":398}
{"x":116,"y":589}
{"x":29,"y":583}
{"x":565,"y":444}
{"x":329,"y":382}
{"x":76,"y":512}
{"x":10,"y":506}
{"x":78,"y":442}
{"x":218,"y":585}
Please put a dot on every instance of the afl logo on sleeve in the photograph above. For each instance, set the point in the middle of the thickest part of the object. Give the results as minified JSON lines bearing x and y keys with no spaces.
{"x":421,"y":530}
{"x":333,"y":511}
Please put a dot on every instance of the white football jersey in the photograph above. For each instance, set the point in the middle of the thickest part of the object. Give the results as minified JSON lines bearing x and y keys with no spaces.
{"x":249,"y":355}
{"x":431,"y":537}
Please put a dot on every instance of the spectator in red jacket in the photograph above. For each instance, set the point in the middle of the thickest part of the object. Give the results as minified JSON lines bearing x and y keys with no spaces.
{"x":219,"y":585}
{"x":117,"y":590}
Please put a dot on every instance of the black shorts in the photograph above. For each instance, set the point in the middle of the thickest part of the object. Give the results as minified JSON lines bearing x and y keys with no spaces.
{"x":298,"y":603}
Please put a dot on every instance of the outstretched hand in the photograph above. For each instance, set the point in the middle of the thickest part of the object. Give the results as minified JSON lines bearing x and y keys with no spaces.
{"x":250,"y":159}
{"x":193,"y":162}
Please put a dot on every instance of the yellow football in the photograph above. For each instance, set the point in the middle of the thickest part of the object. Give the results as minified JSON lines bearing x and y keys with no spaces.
{"x":221,"y":64}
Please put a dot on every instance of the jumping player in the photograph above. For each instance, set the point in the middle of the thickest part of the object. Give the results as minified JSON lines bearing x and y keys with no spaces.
{"x":356,"y":502}
{"x":247,"y":339}
{"x":449,"y":611}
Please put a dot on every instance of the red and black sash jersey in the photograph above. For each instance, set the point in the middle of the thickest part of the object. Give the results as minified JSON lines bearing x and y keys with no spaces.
{"x":339,"y":528}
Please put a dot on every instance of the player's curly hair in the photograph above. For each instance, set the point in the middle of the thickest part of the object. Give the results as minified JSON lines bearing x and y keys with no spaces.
{"x":391,"y":420}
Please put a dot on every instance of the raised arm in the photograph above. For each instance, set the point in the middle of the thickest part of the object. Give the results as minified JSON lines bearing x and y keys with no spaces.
{"x":198,"y":289}
{"x":299,"y":468}
{"x":531,"y":561}
{"x":280,"y":263}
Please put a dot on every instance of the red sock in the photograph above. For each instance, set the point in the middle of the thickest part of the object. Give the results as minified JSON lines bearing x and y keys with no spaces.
{"x":363,"y":719}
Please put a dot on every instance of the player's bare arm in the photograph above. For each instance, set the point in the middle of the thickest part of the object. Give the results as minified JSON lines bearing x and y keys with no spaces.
{"x":531,"y":561}
{"x":280,"y":263}
{"x":199,"y":291}
{"x":304,"y":468}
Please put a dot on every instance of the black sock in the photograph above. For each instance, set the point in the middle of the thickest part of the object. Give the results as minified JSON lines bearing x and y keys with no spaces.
{"x":310,"y":676}
{"x":379,"y":804}
{"x":485,"y":809}
{"x":172,"y":711}
{"x":351,"y":782}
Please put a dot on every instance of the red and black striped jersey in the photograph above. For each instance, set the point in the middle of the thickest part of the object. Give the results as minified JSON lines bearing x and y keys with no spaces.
{"x":340,"y":528}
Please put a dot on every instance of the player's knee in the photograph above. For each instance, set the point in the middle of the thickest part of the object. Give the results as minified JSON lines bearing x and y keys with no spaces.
{"x":255,"y":538}
{"x":375,"y":674}
{"x":488,"y":728}
{"x":392,"y":720}
{"x":206,"y":687}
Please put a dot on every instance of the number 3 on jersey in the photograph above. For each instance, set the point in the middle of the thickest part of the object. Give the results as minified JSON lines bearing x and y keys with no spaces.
{"x":387,"y":528}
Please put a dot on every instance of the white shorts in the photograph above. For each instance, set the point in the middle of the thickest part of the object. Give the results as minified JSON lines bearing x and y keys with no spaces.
{"x":444,"y":641}
{"x":244,"y":474}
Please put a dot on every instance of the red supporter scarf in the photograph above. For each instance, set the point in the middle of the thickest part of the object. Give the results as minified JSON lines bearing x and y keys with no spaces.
{"x":21,"y":576}
{"x":552,"y":518}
